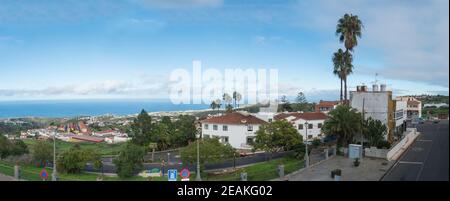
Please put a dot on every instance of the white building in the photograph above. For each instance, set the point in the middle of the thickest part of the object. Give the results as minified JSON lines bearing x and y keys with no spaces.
{"x":314,"y":120}
{"x":414,"y":106}
{"x":237,"y":128}
{"x":379,"y":105}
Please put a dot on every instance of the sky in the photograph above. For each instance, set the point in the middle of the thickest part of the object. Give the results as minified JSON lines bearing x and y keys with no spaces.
{"x":100,"y":49}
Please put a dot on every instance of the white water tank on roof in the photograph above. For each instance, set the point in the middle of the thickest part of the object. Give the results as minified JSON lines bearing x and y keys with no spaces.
{"x":375,"y":87}
{"x":382,"y":87}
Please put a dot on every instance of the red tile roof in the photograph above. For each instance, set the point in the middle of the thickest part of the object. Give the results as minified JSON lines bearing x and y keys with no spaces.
{"x":413,"y":103}
{"x":305,"y":116}
{"x":87,"y":138}
{"x":234,"y":118}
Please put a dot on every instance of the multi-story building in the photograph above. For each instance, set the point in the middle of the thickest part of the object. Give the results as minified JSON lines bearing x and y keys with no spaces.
{"x":378,"y":104}
{"x":414,"y":106}
{"x":237,"y":128}
{"x":326,"y":106}
{"x":308,"y":124}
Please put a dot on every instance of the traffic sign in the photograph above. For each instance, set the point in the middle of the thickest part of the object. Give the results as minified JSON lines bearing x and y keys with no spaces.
{"x":185,"y":174}
{"x":43,"y":174}
{"x":172,"y":175}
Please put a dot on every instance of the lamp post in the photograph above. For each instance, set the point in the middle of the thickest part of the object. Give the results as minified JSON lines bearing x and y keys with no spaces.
{"x":197,"y":134}
{"x":54,"y":173}
{"x":306,"y":153}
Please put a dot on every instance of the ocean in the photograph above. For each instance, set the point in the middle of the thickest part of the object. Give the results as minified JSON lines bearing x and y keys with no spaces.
{"x":73,"y":108}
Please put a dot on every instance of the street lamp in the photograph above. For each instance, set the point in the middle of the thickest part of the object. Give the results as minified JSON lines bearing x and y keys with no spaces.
{"x":54,"y":173}
{"x":306,"y":153}
{"x":197,"y":134}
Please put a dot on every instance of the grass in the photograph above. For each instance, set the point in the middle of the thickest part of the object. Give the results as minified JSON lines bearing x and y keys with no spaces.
{"x":103,"y":147}
{"x":258,"y":172}
{"x":261,"y":171}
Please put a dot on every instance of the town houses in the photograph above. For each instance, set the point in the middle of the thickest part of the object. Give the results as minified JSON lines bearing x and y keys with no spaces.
{"x":308,"y":124}
{"x":237,"y":128}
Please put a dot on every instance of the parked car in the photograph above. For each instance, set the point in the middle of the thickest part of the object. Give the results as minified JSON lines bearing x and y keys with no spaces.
{"x":416,"y":121}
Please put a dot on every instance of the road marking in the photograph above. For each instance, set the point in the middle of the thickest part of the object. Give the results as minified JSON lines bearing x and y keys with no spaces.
{"x":427,"y":156}
{"x":409,"y":162}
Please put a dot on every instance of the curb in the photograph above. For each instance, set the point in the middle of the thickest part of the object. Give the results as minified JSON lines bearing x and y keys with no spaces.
{"x":399,"y":157}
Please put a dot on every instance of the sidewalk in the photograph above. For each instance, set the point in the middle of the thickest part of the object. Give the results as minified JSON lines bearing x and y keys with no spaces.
{"x":6,"y":178}
{"x":370,"y":169}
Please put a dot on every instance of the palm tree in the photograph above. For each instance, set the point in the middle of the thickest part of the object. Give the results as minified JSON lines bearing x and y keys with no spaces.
{"x":236,"y":97}
{"x":213,"y":105}
{"x":344,"y":122}
{"x":346,"y":71}
{"x":218,"y":104}
{"x":338,"y":63}
{"x":349,"y":30}
{"x":227,"y":98}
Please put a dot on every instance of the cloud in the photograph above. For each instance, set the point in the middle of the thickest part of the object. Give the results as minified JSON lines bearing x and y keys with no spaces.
{"x":263,"y":40}
{"x":411,"y":36}
{"x":179,"y":4}
{"x":107,"y":87}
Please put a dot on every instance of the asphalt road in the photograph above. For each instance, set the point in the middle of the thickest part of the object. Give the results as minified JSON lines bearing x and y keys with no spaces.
{"x":427,"y":158}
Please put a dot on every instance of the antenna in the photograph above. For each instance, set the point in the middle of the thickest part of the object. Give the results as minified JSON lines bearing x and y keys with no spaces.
{"x":376,"y":79}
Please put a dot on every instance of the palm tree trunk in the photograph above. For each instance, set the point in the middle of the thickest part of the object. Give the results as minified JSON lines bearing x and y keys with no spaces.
{"x":341,"y":90}
{"x":345,"y":87}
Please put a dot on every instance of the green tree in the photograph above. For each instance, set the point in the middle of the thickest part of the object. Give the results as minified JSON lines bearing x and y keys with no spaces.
{"x":5,"y":147}
{"x":276,"y":136}
{"x":185,"y":130}
{"x":19,"y":148}
{"x":162,"y":135}
{"x":285,"y":105}
{"x":344,"y":122}
{"x":42,"y":152}
{"x":349,"y":30}
{"x":374,"y":132}
{"x":211,"y":151}
{"x":74,"y":160}
{"x":129,"y":160}
{"x":141,"y":129}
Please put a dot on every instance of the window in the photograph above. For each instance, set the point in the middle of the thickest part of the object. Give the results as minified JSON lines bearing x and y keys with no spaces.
{"x":270,"y":120}
{"x":215,"y":127}
{"x":224,"y":139}
{"x":310,"y":136}
{"x":310,"y":126}
{"x":206,"y":126}
{"x":250,"y":140}
{"x":249,"y":128}
{"x":225,"y":128}
{"x":300,"y":127}
{"x":319,"y":125}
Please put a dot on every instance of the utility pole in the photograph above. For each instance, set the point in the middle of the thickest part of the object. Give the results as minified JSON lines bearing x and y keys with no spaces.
{"x":198,"y":178}
{"x":306,"y":154}
{"x":54,"y":174}
{"x":362,"y":128}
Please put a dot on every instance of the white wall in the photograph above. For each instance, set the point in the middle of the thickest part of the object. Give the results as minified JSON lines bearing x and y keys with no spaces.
{"x":400,"y":106}
{"x":375,"y":104}
{"x":237,"y":134}
{"x":315,"y":131}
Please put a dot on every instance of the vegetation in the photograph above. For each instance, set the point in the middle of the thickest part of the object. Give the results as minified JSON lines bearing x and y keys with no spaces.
{"x":102,"y":148}
{"x":210,"y":151}
{"x":165,"y":133}
{"x":42,"y":152}
{"x":74,"y":160}
{"x":349,"y":30}
{"x":129,"y":160}
{"x":259,"y":172}
{"x":344,"y":122}
{"x":276,"y":136}
{"x":374,"y":132}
